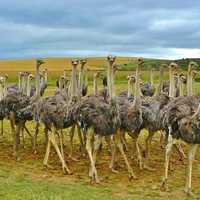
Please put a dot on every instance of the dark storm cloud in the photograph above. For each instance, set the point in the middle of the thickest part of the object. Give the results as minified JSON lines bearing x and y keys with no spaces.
{"x":87,"y":27}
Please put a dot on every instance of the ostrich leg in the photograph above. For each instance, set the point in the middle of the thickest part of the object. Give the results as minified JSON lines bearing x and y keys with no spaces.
{"x":17,"y":139}
{"x":124,"y":142}
{"x":147,"y":151}
{"x":80,"y":139}
{"x":148,"y":144}
{"x":118,"y":142}
{"x":61,"y":137}
{"x":71,"y":133}
{"x":97,"y":143}
{"x":54,"y":143}
{"x":167,"y":156}
{"x":114,"y":154}
{"x":23,"y":137}
{"x":35,"y":137}
{"x":46,"y":157}
{"x":191,"y":155}
{"x":92,"y":171}
{"x":29,"y":134}
{"x":180,"y":151}
{"x":136,"y":149}
{"x":12,"y":124}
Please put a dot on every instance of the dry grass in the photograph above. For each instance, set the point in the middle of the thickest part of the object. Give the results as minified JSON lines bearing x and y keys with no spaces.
{"x":56,"y":64}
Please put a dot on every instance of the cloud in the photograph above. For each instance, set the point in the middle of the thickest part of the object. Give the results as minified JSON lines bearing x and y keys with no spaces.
{"x":82,"y":28}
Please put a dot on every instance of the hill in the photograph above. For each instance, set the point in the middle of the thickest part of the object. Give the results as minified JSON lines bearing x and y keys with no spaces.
{"x":57,"y":64}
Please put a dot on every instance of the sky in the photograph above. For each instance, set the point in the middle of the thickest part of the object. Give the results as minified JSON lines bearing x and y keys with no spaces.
{"x":65,"y":28}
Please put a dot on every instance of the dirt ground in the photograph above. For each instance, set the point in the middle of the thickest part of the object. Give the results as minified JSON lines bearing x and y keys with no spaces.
{"x":147,"y":186}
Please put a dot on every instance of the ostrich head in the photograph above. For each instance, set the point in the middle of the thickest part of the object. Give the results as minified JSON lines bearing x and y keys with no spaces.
{"x":111,"y":59}
{"x":39,"y":62}
{"x":140,"y":61}
{"x":183,"y":78}
{"x":192,"y":66}
{"x":75,"y":62}
{"x":131,"y":78}
{"x":31,"y":76}
{"x":83,"y":62}
{"x":6,"y":76}
{"x":173,"y":67}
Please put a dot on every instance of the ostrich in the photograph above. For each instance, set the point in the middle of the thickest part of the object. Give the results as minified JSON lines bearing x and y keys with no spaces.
{"x":181,"y":120}
{"x":148,"y":88}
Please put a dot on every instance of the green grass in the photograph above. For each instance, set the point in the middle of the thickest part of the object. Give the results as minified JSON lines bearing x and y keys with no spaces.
{"x":19,"y":187}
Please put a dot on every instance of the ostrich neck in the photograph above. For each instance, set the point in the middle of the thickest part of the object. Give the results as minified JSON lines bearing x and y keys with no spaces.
{"x":137,"y":84}
{"x":37,"y":81}
{"x":180,"y":88}
{"x":19,"y":82}
{"x":65,"y":74}
{"x":151,"y":77}
{"x":189,"y":85}
{"x":160,"y":83}
{"x":171,"y":84}
{"x":46,"y":76}
{"x":110,"y":82}
{"x":23,"y":84}
{"x":28,"y":87}
{"x":95,"y":85}
{"x":74,"y":82}
{"x":1,"y":91}
{"x":81,"y":75}
{"x":86,"y":76}
{"x":129,"y":88}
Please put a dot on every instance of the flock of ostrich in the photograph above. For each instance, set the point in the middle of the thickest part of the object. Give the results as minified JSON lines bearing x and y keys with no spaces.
{"x":103,"y":115}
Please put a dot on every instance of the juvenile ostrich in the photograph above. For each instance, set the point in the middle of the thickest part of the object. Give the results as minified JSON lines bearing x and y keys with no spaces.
{"x":148,"y":88}
{"x":181,"y":119}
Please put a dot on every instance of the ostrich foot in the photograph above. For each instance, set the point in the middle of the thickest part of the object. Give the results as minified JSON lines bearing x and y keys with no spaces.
{"x":162,"y":146}
{"x":189,"y":192}
{"x":149,"y":168}
{"x":114,"y":170}
{"x":132,"y":176}
{"x":16,"y":156}
{"x":164,"y":185}
{"x":94,"y":177}
{"x":73,"y":158}
{"x":66,"y":170}
{"x":35,"y":151}
{"x":47,"y":166}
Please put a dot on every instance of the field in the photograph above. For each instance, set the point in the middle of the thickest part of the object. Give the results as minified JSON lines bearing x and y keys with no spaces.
{"x":28,"y":179}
